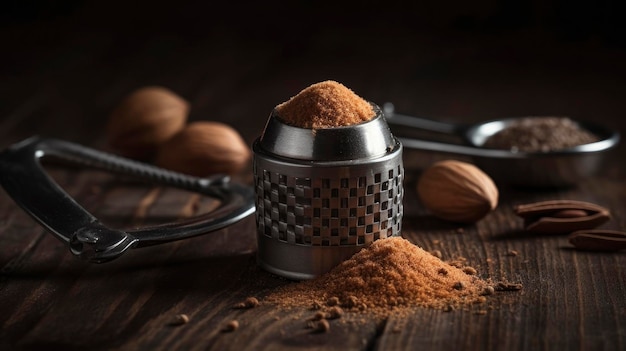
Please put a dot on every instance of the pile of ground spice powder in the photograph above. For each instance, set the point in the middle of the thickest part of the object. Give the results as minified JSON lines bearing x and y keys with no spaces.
{"x":326,"y":104}
{"x":540,"y":134}
{"x":390,"y":275}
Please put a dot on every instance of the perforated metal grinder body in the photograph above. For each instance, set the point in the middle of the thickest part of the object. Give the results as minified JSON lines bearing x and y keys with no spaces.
{"x":324,"y":194}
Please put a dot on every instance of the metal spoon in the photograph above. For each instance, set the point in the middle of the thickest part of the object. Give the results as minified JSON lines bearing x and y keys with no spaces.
{"x":561,"y":168}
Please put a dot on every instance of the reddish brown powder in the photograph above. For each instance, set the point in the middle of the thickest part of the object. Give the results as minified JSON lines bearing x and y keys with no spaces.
{"x":326,"y":104}
{"x":389,"y":275}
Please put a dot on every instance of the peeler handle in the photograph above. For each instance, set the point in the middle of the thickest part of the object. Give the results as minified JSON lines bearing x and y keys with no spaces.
{"x":88,"y":157}
{"x":25,"y":180}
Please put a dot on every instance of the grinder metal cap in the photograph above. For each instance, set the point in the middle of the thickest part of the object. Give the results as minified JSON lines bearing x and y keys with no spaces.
{"x":323,"y":194}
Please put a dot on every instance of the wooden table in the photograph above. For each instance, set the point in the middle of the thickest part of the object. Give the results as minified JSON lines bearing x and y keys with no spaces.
{"x":63,"y":74}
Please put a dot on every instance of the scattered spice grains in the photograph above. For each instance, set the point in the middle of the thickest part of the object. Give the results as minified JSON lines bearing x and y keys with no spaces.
{"x":325,"y":104}
{"x":436,"y":253}
{"x":389,"y":275}
{"x":231,"y":326}
{"x":180,"y":319}
{"x":469,"y":270}
{"x":512,"y":253}
{"x":334,"y":313}
{"x":506,"y":286}
{"x":316,"y":305}
{"x":249,"y":302}
{"x":488,"y":290}
{"x":333,"y":301}
{"x":319,"y":326}
{"x":540,"y":134}
{"x":458,"y":262}
{"x":319,"y":315}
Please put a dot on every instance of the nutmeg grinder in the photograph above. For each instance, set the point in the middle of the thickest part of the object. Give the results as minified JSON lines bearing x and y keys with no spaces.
{"x":324,"y":194}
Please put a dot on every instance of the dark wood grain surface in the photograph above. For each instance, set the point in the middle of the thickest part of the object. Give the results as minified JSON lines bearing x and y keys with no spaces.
{"x":63,"y":69}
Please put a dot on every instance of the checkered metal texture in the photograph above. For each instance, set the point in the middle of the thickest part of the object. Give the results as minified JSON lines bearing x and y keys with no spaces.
{"x":329,"y":211}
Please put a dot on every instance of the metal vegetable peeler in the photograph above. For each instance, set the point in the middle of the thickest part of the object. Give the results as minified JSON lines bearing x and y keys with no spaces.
{"x":25,"y":180}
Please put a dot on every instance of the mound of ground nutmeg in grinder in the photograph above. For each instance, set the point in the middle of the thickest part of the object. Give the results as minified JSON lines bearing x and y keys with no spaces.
{"x":328,"y":178}
{"x":326,"y":104}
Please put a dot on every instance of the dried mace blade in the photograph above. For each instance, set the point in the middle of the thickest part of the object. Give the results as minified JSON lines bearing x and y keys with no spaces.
{"x":598,"y":240}
{"x":561,"y":216}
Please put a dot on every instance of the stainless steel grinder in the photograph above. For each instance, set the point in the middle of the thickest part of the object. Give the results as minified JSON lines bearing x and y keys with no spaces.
{"x":324,"y":194}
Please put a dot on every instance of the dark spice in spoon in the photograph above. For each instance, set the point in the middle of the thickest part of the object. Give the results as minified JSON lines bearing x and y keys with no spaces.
{"x":540,"y":134}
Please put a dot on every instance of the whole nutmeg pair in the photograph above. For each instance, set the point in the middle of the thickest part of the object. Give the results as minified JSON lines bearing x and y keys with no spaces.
{"x":457,"y":191}
{"x":150,"y":124}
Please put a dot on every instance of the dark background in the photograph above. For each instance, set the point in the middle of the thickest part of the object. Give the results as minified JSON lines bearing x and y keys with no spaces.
{"x":471,"y":60}
{"x":570,"y":20}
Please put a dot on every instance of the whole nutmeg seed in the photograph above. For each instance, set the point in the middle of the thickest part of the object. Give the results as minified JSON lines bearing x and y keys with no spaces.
{"x":204,"y":148}
{"x":145,"y":119}
{"x":457,"y":191}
